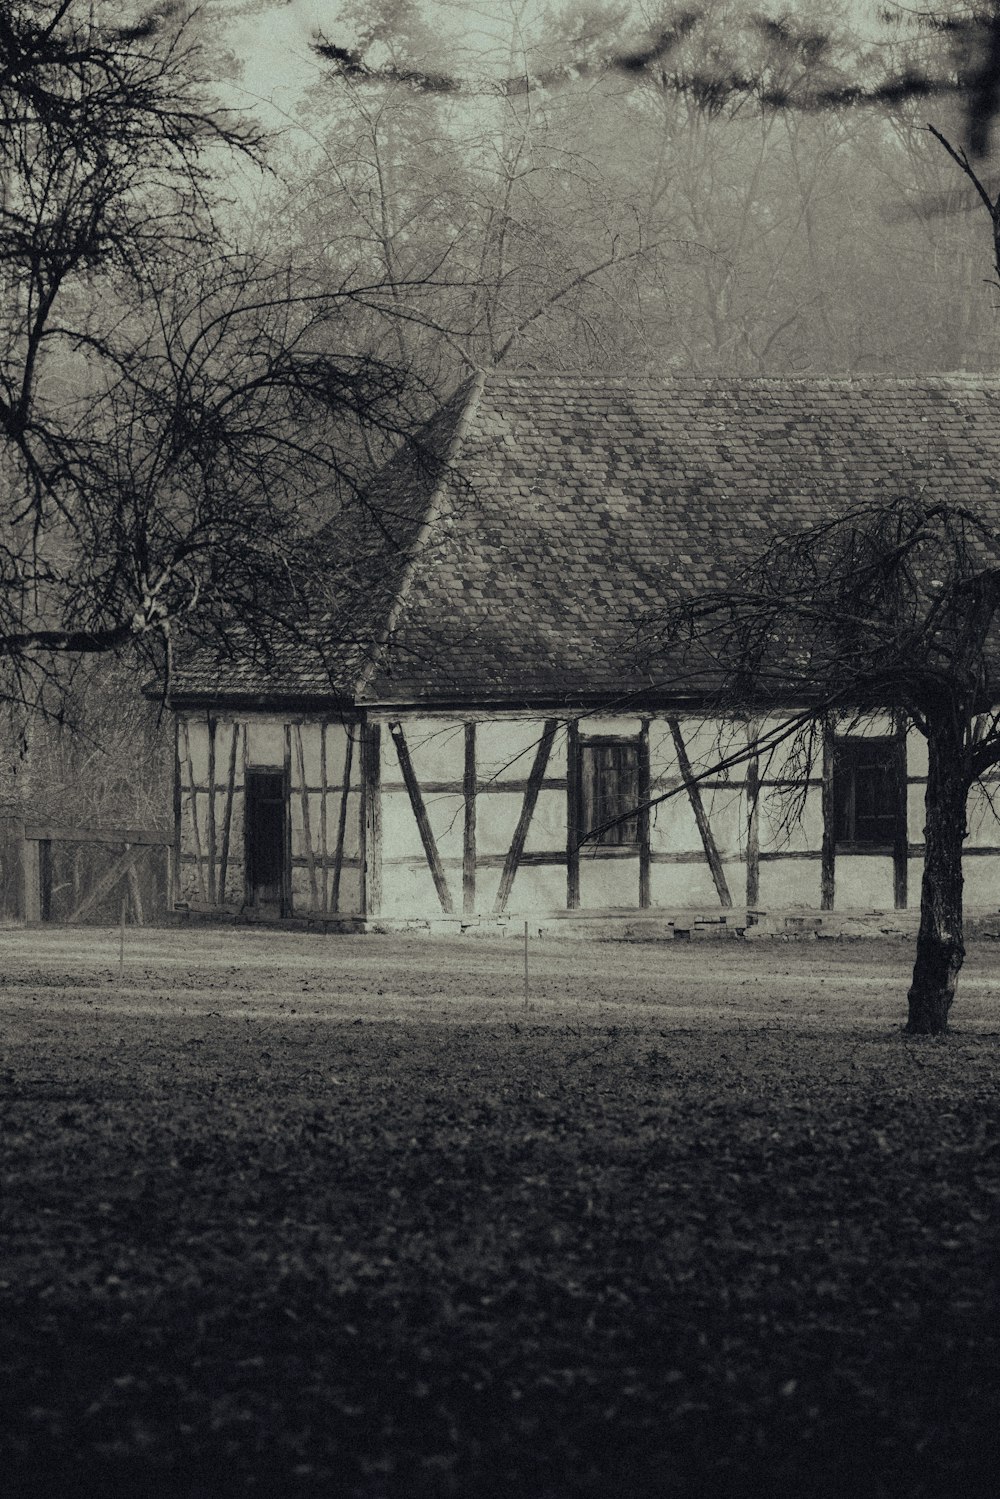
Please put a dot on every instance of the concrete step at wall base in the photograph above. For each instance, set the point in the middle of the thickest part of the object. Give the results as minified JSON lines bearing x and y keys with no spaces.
{"x":622,"y":925}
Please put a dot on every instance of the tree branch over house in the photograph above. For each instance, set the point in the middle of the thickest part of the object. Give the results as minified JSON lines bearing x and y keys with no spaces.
{"x":176,"y":411}
{"x":889,"y":607}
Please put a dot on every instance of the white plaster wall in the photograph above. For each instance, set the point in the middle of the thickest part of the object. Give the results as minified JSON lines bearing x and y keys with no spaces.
{"x":497,"y":814}
{"x":726,"y":814}
{"x":266,"y":742}
{"x":982,"y":883}
{"x":778,"y":830}
{"x":788,"y":757}
{"x":401,"y":836}
{"x":865,"y":881}
{"x":984,"y":828}
{"x":304,"y":903}
{"x":547,"y":831}
{"x":705,"y":741}
{"x":789,"y":883}
{"x":608,"y":882}
{"x":408,"y":890}
{"x":592,"y":726}
{"x":916,"y":815}
{"x":337,"y":735}
{"x":193,"y":744}
{"x":537,"y":889}
{"x":436,"y":747}
{"x":351,"y":893}
{"x":673,"y":828}
{"x":487,"y":885}
{"x":690,"y":886}
{"x":916,"y":752}
{"x":673,"y":825}
{"x":914,"y":874}
{"x":506,"y":749}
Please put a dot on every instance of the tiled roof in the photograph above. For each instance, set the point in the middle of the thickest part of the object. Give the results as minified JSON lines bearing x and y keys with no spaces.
{"x":362,"y":560}
{"x":572,"y":502}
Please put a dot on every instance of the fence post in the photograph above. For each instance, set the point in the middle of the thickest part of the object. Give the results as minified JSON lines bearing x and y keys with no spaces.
{"x":12,"y":865}
{"x":32,"y":881}
{"x":45,"y":877}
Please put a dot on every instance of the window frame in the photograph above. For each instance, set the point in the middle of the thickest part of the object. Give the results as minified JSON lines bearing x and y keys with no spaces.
{"x":635,"y":746}
{"x":851,"y":747}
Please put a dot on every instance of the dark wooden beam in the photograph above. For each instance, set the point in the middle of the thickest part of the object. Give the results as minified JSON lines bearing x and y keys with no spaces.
{"x":753,"y":832}
{"x":469,"y":829}
{"x":245,"y":778}
{"x":55,"y":833}
{"x":556,"y":858}
{"x":516,"y":849}
{"x":700,"y":816}
{"x":785,"y":855}
{"x":174,"y":893}
{"x":286,"y":869}
{"x":573,"y":815}
{"x":227,"y":815}
{"x":211,"y":725}
{"x":423,"y":821}
{"x":15,"y":902}
{"x":345,"y":793}
{"x":306,"y":819}
{"x":917,"y":850}
{"x":135,"y":895}
{"x":45,"y":879}
{"x":371,"y":819}
{"x":193,"y":808}
{"x":323,"y":851}
{"x":299,"y":862}
{"x":484,"y":788}
{"x":828,"y":881}
{"x":643,"y":819}
{"x":901,"y":841}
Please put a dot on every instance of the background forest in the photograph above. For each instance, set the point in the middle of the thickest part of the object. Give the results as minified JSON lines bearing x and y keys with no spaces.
{"x":533,"y":185}
{"x":727,"y":188}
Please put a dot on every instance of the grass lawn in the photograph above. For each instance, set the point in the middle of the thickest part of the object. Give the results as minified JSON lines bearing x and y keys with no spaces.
{"x":342,"y":1217}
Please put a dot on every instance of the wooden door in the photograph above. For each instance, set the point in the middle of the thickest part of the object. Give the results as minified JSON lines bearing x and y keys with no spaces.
{"x":267,"y":840}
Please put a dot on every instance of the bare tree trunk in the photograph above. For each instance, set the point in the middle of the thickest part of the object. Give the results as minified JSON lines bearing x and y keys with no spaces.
{"x":940,"y":946}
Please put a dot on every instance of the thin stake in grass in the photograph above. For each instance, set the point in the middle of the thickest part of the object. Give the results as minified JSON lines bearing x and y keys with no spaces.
{"x":526,"y":1002}
{"x":121,"y":937}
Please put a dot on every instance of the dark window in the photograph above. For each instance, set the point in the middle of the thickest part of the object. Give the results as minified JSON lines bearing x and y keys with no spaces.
{"x":609,"y":790}
{"x":865,"y":786}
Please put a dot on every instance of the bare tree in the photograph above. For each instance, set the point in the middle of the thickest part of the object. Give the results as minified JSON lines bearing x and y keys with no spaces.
{"x":173,"y":408}
{"x":887,"y":607}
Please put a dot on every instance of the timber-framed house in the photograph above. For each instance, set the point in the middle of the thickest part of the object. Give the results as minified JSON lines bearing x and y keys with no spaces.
{"x":460,"y":736}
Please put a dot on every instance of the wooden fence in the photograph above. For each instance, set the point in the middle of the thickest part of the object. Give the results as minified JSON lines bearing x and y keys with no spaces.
{"x":77,"y":874}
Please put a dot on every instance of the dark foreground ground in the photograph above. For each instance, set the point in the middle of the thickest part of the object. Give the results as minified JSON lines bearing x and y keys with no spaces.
{"x":342,"y":1217}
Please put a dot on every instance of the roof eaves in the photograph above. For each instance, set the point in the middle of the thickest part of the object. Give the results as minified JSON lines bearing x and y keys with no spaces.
{"x":294,"y":698}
